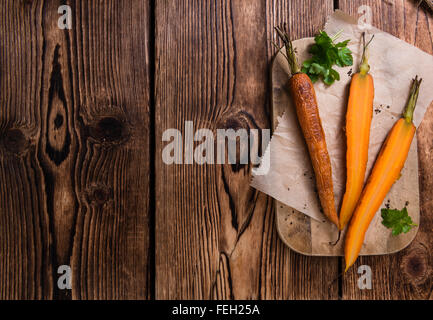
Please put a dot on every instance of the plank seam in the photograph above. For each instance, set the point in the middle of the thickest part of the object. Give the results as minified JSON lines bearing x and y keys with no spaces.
{"x":152,"y":151}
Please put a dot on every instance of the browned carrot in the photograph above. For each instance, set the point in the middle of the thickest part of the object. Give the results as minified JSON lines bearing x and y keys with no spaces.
{"x":305,"y":101}
{"x":385,"y":172}
{"x":358,"y":121}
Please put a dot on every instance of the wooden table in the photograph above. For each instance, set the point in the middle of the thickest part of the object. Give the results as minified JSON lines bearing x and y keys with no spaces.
{"x":82,"y":181}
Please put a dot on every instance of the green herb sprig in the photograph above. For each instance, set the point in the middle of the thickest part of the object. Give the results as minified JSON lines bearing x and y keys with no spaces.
{"x":397,"y":220}
{"x":326,"y":54}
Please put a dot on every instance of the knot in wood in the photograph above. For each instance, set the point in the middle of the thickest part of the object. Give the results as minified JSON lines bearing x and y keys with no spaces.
{"x":415,"y":265}
{"x":233,"y":123}
{"x":99,"y":195}
{"x":109,"y":130}
{"x":237,"y":121}
{"x":14,"y":141}
{"x":58,"y":121}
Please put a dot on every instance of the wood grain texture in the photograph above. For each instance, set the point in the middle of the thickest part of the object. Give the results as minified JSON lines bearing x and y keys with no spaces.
{"x":25,"y":257}
{"x":408,"y":274}
{"x":75,"y":142}
{"x":111,"y":254}
{"x":208,"y":219}
{"x":215,"y":236}
{"x":74,"y":151}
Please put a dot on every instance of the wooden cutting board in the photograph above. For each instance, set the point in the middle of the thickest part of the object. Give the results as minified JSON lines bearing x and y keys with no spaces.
{"x":311,"y":237}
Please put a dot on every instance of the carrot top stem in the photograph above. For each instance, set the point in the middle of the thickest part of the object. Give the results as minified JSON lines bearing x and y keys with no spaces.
{"x":290,"y":51}
{"x":364,"y":67}
{"x":337,"y":35}
{"x":413,"y":98}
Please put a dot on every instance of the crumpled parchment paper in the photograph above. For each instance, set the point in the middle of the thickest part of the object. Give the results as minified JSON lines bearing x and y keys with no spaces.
{"x":394,"y":63}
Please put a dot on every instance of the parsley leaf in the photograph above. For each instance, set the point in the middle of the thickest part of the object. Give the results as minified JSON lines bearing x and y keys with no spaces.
{"x":345,"y":57}
{"x":397,"y":220}
{"x":325,"y":54}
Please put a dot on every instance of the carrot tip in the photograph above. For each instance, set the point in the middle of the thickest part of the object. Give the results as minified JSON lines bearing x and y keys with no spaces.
{"x":347,"y":268}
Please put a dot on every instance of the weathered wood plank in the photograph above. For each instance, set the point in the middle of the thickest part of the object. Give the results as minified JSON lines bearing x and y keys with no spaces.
{"x":216,"y":236}
{"x":209,"y":69}
{"x":406,"y":275}
{"x":110,"y":64}
{"x":25,"y":262}
{"x":75,"y":140}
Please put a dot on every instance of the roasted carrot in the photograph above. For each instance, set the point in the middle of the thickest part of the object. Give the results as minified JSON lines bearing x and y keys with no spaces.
{"x":386,"y":171}
{"x":358,"y":121}
{"x":307,"y":111}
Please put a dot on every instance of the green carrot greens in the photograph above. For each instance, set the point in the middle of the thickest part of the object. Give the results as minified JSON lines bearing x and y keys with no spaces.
{"x":326,"y":54}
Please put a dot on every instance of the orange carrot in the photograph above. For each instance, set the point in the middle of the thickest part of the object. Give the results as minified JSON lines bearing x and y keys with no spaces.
{"x":358,"y":121}
{"x":305,"y":101}
{"x":385,"y":172}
